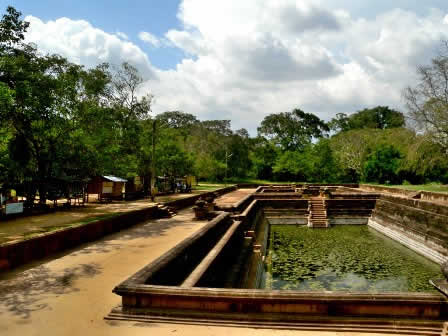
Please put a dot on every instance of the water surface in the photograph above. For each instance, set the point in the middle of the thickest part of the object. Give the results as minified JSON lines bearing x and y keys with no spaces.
{"x":344,"y":258}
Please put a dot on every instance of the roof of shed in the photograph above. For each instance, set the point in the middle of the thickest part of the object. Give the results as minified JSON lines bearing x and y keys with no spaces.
{"x":114,"y":178}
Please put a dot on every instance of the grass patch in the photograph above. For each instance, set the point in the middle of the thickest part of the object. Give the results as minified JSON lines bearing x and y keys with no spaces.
{"x":233,"y":181}
{"x":47,"y":229}
{"x":433,"y":187}
{"x":209,"y":186}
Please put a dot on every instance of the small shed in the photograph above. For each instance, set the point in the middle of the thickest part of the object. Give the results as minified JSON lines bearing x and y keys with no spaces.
{"x":107,"y":187}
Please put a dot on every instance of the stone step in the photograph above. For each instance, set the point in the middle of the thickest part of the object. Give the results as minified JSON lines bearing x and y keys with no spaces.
{"x":305,"y":324}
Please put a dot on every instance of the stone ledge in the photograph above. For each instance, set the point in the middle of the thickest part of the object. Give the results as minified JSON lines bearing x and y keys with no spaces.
{"x":405,"y":240}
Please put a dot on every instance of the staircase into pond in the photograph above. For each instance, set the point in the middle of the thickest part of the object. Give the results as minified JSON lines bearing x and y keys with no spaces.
{"x":318,"y":215}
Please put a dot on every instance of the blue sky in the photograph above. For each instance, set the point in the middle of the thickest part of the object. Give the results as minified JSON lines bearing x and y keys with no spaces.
{"x":129,"y":17}
{"x":244,"y":59}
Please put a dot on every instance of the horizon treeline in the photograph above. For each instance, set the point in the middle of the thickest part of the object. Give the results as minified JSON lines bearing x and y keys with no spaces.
{"x":59,"y":120}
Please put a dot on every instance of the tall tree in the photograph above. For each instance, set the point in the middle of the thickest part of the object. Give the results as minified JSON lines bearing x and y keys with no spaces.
{"x":380,"y":117}
{"x":427,"y":102}
{"x":292,"y":130}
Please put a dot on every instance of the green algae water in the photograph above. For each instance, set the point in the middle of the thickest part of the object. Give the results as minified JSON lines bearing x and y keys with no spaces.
{"x":344,"y":258}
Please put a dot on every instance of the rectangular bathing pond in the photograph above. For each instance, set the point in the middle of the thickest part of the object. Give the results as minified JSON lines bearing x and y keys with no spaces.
{"x":245,"y":270}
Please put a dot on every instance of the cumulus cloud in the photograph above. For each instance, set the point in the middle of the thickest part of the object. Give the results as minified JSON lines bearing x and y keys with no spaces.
{"x":246,"y":59}
{"x":445,"y":20}
{"x":149,"y":38}
{"x":84,"y":44}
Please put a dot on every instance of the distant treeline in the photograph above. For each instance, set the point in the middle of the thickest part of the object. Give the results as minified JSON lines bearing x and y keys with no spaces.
{"x":59,"y":120}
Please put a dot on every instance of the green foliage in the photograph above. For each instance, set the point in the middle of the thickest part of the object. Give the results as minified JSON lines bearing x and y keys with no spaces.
{"x":352,"y":148}
{"x":316,"y":163}
{"x":292,"y":130}
{"x":12,"y":29}
{"x":324,"y":167}
{"x":263,"y":155}
{"x":292,"y":166}
{"x":426,"y":161}
{"x":383,"y":164}
{"x":380,"y":117}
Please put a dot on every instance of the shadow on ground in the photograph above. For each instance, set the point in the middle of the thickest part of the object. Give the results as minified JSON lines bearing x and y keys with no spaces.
{"x":24,"y":294}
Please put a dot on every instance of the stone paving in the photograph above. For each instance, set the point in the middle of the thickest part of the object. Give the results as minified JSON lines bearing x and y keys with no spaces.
{"x":71,"y":293}
{"x":233,"y":197}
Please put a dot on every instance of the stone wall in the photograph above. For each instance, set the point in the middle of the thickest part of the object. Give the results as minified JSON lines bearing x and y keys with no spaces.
{"x":432,"y":196}
{"x":424,"y":195}
{"x":420,"y":225}
{"x":172,"y":268}
{"x":189,"y":201}
{"x":390,"y":190}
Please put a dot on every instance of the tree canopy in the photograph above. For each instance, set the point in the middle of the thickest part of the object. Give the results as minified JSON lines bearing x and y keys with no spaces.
{"x":61,"y":120}
{"x":427,"y":102}
{"x":292,"y":130}
{"x":380,"y":117}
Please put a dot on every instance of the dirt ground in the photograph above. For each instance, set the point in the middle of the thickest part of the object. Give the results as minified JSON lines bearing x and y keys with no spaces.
{"x":71,"y":293}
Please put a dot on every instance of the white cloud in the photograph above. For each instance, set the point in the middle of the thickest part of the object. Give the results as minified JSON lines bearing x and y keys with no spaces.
{"x":445,"y":20}
{"x":122,"y":35}
{"x":246,"y":59}
{"x":253,"y":58}
{"x":84,"y":44}
{"x":149,"y":38}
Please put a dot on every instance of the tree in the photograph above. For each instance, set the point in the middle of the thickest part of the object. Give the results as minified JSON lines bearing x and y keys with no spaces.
{"x":350,"y":149}
{"x":172,"y":160}
{"x":383,"y":164}
{"x":292,"y":166}
{"x":220,"y":127}
{"x":380,"y":117}
{"x":239,"y":163}
{"x":425,"y":161}
{"x":292,"y":130}
{"x":427,"y":102}
{"x":177,"y":120}
{"x":125,"y":85}
{"x":12,"y":31}
{"x":62,"y":120}
{"x":324,"y":166}
{"x":40,"y":113}
{"x":340,"y":123}
{"x":263,"y":156}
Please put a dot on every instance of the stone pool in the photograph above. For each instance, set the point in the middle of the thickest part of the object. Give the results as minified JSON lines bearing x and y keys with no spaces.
{"x":262,"y":263}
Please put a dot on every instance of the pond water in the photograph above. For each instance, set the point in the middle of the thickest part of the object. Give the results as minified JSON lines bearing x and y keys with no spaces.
{"x":343,"y":258}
